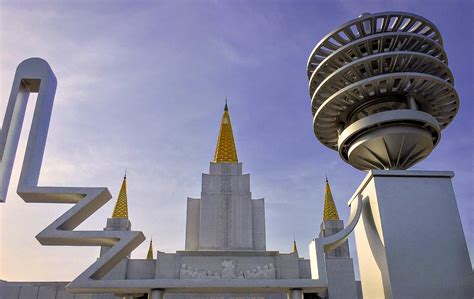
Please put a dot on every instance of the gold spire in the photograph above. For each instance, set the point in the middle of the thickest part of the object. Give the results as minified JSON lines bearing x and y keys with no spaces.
{"x":295,"y":249}
{"x":121,"y":206}
{"x":330,"y":211}
{"x":225,"y":149}
{"x":149,"y":255}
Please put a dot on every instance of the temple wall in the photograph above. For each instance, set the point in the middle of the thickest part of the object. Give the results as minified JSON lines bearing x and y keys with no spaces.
{"x":226,"y":217}
{"x":192,"y":223}
{"x":258,"y":222}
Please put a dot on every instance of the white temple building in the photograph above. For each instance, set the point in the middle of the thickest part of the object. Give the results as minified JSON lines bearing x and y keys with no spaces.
{"x":225,"y":240}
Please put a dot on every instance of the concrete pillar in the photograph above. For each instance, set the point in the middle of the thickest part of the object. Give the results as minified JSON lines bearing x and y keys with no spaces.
{"x":157,"y":294}
{"x":410,"y":241}
{"x":295,"y":294}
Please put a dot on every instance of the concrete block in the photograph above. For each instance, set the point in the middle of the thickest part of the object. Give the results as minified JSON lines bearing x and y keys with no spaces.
{"x":341,"y":278}
{"x":410,"y":241}
{"x":165,"y":265}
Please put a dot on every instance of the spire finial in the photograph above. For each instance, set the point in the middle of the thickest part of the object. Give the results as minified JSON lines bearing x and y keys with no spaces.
{"x":121,"y":206}
{"x":295,"y":248}
{"x":225,"y":149}
{"x":225,"y":107}
{"x":149,"y":255}
{"x":330,"y":211}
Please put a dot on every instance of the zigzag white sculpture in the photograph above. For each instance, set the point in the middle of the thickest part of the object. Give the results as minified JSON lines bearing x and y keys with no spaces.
{"x":35,"y":75}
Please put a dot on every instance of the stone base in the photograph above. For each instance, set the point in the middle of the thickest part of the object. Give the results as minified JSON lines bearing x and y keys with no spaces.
{"x":410,"y":241}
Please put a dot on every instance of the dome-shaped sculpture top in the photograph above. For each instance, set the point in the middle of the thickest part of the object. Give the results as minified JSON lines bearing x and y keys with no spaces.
{"x":381,"y":90}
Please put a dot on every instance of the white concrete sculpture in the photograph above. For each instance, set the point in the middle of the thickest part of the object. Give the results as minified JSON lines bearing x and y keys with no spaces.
{"x":35,"y":75}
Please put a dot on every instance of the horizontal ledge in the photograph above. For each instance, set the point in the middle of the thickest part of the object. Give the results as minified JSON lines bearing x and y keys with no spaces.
{"x":230,"y":252}
{"x":399,"y":173}
{"x":197,"y":285}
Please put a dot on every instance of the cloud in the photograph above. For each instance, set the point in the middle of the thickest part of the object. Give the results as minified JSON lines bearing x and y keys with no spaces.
{"x":141,"y":87}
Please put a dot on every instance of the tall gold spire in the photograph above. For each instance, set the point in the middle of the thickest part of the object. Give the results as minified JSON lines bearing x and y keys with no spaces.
{"x":225,"y":149}
{"x":295,"y":249}
{"x":121,"y":206}
{"x":330,"y":211}
{"x":149,"y":255}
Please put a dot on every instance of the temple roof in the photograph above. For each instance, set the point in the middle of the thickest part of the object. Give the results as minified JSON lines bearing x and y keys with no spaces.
{"x":330,"y":211}
{"x":225,"y":149}
{"x":149,"y":255}
{"x":121,"y":206}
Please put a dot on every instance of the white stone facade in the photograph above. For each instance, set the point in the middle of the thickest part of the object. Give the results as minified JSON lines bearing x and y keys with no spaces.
{"x":225,"y":217}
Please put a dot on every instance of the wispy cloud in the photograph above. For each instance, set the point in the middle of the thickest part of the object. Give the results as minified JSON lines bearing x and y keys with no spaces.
{"x":141,"y":87}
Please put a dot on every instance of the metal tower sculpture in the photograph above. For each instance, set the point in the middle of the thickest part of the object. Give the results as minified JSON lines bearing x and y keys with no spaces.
{"x":381,"y":90}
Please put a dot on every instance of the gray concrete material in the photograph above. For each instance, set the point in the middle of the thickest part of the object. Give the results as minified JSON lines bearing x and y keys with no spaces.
{"x":118,"y":224}
{"x":28,"y":292}
{"x":9,"y":291}
{"x":204,"y":285}
{"x":166,"y":265}
{"x":331,"y":227}
{"x":341,"y":278}
{"x":192,"y":224}
{"x":226,"y":296}
{"x":242,"y":266}
{"x":258,"y":224}
{"x":35,"y":75}
{"x":63,"y":294}
{"x":141,"y":269}
{"x":287,"y":266}
{"x":339,"y":265}
{"x":410,"y":241}
{"x":32,"y":75}
{"x":226,"y":168}
{"x":224,"y":217}
{"x":119,"y":271}
{"x":304,"y":268}
{"x":319,"y":246}
{"x":47,"y":292}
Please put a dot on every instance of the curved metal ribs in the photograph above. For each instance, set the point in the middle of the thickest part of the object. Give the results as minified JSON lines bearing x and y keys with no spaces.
{"x":35,"y":75}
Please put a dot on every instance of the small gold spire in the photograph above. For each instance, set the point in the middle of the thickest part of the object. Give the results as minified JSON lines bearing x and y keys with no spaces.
{"x":149,"y":255}
{"x":295,"y":249}
{"x":121,"y":206}
{"x":330,"y":211}
{"x":225,"y":149}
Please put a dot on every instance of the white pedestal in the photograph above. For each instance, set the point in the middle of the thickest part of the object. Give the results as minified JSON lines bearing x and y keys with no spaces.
{"x":410,"y":242}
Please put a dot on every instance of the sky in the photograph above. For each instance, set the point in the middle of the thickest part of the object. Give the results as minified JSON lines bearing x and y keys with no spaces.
{"x":141,"y":86}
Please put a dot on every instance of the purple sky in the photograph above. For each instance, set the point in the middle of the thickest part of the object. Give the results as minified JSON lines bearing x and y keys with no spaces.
{"x":141,"y":86}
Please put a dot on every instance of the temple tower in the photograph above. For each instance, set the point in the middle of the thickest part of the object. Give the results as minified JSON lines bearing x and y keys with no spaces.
{"x":119,"y":219}
{"x":339,"y":264}
{"x":118,"y":222}
{"x":225,"y":217}
{"x":331,"y":224}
